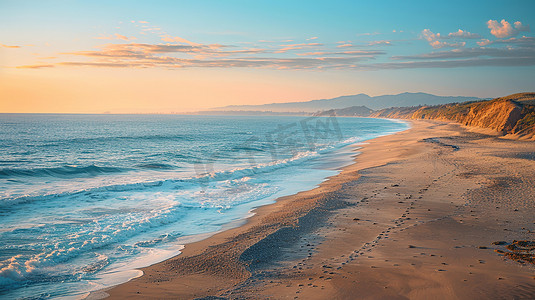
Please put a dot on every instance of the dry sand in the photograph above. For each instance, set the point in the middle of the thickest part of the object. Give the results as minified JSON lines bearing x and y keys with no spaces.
{"x":414,"y":218}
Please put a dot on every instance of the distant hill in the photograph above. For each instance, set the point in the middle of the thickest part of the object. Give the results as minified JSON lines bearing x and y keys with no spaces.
{"x":375,"y":103}
{"x":353,"y":111}
{"x":512,"y":116}
{"x":249,"y":113}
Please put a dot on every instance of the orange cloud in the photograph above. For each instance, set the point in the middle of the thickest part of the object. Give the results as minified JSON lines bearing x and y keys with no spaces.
{"x":140,"y":51}
{"x":505,"y":29}
{"x":296,"y":47}
{"x":8,"y":46}
{"x":484,"y":42}
{"x":35,"y":66}
{"x":176,"y":39}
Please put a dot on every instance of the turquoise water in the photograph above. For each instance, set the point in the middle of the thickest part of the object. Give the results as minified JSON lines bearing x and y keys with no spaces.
{"x":85,"y":198}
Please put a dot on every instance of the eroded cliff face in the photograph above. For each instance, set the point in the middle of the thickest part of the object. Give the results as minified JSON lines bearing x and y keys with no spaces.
{"x":512,"y":116}
{"x":497,"y":115}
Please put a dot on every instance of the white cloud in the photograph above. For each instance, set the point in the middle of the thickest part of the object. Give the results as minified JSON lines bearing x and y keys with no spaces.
{"x":429,"y":35}
{"x":439,"y":44}
{"x":463,"y":35}
{"x":504,"y":29}
{"x":484,"y":42}
{"x":520,"y":27}
{"x":368,"y":33}
{"x":374,"y":43}
{"x":433,"y":39}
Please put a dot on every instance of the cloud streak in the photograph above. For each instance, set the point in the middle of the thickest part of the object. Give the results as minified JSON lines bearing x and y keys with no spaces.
{"x":36,"y":66}
{"x":461,"y":34}
{"x":459,"y":63}
{"x":115,"y":37}
{"x":522,"y":41}
{"x":378,"y":43}
{"x":472,"y":53}
{"x":174,"y":63}
{"x":179,"y":53}
{"x":171,"y":56}
{"x":9,"y":46}
{"x":292,"y":47}
{"x":352,"y":53}
{"x":176,"y":39}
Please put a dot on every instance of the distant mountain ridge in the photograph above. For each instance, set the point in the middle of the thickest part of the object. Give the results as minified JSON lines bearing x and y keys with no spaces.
{"x":374,"y":103}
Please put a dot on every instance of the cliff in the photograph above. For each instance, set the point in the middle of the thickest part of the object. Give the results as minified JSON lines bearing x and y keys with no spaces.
{"x":512,"y":116}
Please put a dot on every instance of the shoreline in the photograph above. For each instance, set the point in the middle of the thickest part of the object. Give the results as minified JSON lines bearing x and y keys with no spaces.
{"x":229,"y":263}
{"x":257,"y":212}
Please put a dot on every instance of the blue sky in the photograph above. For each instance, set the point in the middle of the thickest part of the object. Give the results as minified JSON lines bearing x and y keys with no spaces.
{"x":303,"y":49}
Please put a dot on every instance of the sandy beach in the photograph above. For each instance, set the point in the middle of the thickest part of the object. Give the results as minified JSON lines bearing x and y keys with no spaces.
{"x":428,"y":213}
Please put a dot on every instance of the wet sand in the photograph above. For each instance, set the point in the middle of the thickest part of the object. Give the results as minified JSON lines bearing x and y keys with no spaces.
{"x":418,"y":216}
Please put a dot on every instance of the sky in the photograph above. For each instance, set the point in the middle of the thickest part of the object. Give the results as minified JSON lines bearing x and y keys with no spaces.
{"x":180,"y":56}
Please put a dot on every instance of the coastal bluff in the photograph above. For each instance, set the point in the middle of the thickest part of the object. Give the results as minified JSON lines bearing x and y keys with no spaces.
{"x":512,"y":116}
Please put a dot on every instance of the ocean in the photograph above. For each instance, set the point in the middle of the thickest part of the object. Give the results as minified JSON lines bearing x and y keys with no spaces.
{"x":86,"y":199}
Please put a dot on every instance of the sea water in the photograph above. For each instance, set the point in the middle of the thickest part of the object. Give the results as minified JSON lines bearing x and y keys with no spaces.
{"x":86,"y":199}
